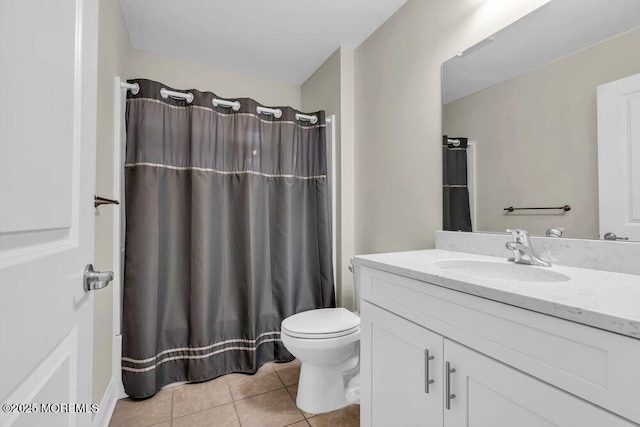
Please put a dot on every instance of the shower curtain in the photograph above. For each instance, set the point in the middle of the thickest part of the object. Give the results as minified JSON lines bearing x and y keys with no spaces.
{"x":227,"y":234}
{"x":456,"y":214}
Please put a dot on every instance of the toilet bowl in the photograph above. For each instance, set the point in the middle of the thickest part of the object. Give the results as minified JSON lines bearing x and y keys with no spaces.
{"x":327,"y":343}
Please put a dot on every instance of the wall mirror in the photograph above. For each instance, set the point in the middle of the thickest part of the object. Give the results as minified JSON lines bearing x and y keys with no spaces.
{"x":526,"y":100}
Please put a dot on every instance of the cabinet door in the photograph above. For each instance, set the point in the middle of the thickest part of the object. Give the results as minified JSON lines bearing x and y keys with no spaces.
{"x":490,"y":394}
{"x":394,"y":371}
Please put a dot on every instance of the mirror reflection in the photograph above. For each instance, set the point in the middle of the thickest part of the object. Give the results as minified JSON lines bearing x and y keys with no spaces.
{"x":545,"y":114}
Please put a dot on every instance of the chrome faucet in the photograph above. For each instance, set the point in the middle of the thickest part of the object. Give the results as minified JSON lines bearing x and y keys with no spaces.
{"x":522,"y":249}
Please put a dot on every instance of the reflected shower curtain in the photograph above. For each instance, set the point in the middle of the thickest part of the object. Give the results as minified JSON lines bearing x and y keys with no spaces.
{"x":456,"y":214}
{"x":227,"y":233}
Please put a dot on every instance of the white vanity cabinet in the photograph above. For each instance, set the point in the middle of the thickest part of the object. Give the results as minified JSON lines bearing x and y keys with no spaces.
{"x":513,"y":367}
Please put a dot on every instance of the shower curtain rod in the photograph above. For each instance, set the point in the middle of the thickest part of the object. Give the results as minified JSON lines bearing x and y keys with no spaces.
{"x":234,"y":105}
{"x":276,"y":112}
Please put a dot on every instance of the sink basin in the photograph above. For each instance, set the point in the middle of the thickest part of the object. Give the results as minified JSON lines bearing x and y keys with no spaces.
{"x":496,"y":270}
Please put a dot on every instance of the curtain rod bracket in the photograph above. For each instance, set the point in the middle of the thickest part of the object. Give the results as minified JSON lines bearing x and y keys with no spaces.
{"x":133,"y":87}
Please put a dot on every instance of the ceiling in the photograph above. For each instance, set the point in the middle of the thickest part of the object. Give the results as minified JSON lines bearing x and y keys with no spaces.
{"x":551,"y":32}
{"x":284,"y":40}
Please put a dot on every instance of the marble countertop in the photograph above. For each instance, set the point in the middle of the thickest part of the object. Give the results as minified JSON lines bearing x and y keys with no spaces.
{"x":605,"y":300}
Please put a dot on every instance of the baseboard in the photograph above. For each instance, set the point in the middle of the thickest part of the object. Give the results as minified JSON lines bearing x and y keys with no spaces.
{"x":117,"y":354}
{"x":107,"y":405}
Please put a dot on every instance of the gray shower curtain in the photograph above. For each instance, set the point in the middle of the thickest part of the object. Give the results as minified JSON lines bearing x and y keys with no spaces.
{"x":456,"y":214}
{"x":227,"y":233}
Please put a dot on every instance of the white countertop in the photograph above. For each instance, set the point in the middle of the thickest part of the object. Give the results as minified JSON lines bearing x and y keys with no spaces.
{"x":605,"y":300}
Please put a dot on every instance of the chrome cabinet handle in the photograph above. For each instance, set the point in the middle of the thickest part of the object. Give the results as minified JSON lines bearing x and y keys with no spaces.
{"x":93,"y":280}
{"x":447,"y":385}
{"x":427,"y":381}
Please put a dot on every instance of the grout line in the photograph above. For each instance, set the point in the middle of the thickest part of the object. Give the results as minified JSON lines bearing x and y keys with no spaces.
{"x":264,"y":392}
{"x":215,"y":406}
{"x":172,"y":397}
{"x":280,"y":378}
{"x":289,"y":425}
{"x":272,"y":364}
{"x":233,"y":401}
{"x":287,"y":388}
{"x":259,"y":394}
{"x":208,"y":409}
{"x":201,"y":410}
{"x":304,"y":417}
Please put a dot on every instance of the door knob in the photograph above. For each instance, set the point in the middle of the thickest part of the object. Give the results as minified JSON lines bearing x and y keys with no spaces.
{"x":612,"y":236}
{"x":92,"y":280}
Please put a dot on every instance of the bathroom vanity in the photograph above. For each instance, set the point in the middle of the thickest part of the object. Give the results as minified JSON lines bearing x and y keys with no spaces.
{"x":457,"y":339}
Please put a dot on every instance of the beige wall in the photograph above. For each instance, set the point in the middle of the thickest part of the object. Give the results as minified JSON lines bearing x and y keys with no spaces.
{"x":181,"y":74}
{"x":536,"y":139}
{"x":330,"y":88}
{"x":113,"y":51}
{"x":398,"y":116}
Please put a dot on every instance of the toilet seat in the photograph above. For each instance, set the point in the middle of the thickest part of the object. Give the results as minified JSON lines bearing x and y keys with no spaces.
{"x":321,"y":324}
{"x":320,"y":336}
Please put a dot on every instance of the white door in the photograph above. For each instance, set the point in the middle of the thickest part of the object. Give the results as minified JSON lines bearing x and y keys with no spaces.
{"x":403,"y":375}
{"x":490,"y":394}
{"x":619,"y":157}
{"x":48,"y":74}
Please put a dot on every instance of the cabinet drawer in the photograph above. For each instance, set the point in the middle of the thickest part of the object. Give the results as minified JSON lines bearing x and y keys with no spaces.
{"x":596,"y":365}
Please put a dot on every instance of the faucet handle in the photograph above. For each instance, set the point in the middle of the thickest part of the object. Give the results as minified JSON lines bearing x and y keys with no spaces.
{"x":520,"y":235}
{"x":554,"y":232}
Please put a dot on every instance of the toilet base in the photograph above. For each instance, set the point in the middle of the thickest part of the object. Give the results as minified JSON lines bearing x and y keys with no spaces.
{"x":324,"y":389}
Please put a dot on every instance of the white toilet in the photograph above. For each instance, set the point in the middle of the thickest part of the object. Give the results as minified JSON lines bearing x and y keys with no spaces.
{"x":327,"y":343}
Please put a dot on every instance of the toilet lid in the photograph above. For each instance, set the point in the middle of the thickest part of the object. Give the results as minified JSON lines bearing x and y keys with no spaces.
{"x":321,"y":323}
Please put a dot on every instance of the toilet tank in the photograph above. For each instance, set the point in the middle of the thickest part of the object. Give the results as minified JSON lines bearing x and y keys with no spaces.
{"x":356,"y":285}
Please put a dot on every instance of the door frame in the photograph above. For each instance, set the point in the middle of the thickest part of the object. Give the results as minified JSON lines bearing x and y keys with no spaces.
{"x":115,"y":388}
{"x":611,"y":115}
{"x":120,"y":95}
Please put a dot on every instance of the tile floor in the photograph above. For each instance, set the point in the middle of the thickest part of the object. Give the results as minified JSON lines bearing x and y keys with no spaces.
{"x":266,"y":399}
